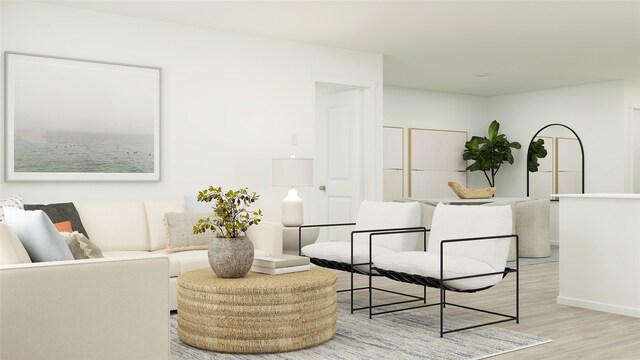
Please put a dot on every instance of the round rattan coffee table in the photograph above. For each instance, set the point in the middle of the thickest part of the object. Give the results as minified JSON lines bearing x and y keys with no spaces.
{"x":258,"y":313}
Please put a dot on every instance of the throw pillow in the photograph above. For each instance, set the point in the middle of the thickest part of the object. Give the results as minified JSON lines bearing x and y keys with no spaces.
{"x":179,"y":232}
{"x":64,"y":226}
{"x":37,"y":234}
{"x":80,"y":246}
{"x":61,"y":212}
{"x":195,"y":206}
{"x":12,"y":201}
{"x":11,"y":249}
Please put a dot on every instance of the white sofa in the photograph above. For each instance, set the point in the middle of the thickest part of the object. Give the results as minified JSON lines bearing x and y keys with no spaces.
{"x":111,"y":308}
{"x":135,"y":229}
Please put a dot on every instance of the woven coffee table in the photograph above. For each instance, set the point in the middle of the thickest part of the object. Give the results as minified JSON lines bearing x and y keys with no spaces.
{"x":258,"y":313}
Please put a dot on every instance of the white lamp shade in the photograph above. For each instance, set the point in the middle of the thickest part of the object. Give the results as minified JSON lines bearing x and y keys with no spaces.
{"x":292,"y":172}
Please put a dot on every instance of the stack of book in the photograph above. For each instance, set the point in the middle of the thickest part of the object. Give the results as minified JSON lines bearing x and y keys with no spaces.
{"x":280,"y":264}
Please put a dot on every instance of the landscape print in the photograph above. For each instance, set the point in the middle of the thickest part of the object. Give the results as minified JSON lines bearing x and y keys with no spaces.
{"x":79,"y":120}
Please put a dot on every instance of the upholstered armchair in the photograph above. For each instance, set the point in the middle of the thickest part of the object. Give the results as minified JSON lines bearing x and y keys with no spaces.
{"x":467,"y":252}
{"x":354,"y":254}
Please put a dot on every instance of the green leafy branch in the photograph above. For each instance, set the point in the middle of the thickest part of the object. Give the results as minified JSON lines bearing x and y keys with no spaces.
{"x":231,"y":209}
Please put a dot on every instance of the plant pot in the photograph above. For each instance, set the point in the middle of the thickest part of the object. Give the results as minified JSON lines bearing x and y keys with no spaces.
{"x":231,"y":258}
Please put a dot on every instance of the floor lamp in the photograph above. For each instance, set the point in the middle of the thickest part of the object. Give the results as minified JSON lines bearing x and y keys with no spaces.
{"x":292,"y":172}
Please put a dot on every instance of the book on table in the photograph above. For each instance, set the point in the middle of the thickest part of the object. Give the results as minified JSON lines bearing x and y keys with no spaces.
{"x":282,"y":270}
{"x":280,"y":261}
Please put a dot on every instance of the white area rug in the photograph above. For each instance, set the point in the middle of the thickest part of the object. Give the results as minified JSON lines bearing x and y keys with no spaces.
{"x":411,"y":334}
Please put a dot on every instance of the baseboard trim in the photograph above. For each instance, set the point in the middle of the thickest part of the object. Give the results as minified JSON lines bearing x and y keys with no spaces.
{"x":591,"y":305}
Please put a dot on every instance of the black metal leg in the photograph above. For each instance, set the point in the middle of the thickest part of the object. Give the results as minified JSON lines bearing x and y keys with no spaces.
{"x":424,"y":293}
{"x":441,"y":310}
{"x":444,"y":299}
{"x":352,"y":289}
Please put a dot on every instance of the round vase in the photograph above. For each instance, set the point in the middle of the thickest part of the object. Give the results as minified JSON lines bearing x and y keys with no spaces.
{"x":231,"y":257}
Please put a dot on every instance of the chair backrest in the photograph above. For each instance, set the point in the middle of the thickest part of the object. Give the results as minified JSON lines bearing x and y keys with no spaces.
{"x":388,"y":215}
{"x":463,"y":221}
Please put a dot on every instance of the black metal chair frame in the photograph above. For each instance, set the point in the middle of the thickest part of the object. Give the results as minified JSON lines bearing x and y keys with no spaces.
{"x":439,"y":283}
{"x":352,"y":268}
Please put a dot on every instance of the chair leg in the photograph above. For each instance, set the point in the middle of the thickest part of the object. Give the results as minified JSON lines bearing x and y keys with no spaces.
{"x":444,"y":299}
{"x":370,"y":293}
{"x":441,"y":310}
{"x":352,"y":288}
{"x":424,"y":293}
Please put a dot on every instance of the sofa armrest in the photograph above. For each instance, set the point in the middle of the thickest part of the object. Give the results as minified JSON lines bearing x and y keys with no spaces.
{"x":267,"y":236}
{"x":87,"y":309}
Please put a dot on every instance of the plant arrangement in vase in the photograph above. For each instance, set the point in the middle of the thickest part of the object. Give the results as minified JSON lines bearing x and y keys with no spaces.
{"x":231,"y":252}
{"x":488,"y":153}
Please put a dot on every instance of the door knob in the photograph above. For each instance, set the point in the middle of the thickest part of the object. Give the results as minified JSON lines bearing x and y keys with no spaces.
{"x":322,"y":187}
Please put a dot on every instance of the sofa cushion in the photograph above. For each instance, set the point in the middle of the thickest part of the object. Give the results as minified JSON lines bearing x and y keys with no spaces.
{"x":428,"y":264}
{"x":180,"y":236}
{"x":115,"y":225}
{"x":154,"y":211}
{"x":38,"y":235}
{"x":193,"y":205}
{"x":185,"y":261}
{"x":11,"y":201}
{"x":61,"y":212}
{"x":80,"y":246}
{"x":11,"y":249}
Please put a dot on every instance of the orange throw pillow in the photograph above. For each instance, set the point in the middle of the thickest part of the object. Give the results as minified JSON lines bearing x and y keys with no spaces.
{"x":64,"y":226}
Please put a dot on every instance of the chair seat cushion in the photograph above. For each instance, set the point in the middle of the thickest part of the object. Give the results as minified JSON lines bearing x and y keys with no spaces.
{"x":427,"y":264}
{"x":341,"y":251}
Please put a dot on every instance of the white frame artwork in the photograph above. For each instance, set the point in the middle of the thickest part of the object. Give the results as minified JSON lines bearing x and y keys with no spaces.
{"x":80,"y":120}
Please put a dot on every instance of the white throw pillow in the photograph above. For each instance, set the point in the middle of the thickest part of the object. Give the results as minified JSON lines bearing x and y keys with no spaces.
{"x":11,"y":249}
{"x":37,"y":233}
{"x":12,"y":201}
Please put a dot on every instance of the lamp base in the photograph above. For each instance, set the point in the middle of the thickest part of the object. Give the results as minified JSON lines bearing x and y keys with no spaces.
{"x":292,"y":214}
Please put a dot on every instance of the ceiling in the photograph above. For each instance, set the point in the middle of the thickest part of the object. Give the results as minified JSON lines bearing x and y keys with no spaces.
{"x":438,"y":45}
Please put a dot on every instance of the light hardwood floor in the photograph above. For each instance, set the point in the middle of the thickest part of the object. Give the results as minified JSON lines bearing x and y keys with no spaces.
{"x":576,"y":333}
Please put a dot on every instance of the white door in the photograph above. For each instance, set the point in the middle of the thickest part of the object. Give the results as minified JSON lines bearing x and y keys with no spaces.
{"x":339,"y":160}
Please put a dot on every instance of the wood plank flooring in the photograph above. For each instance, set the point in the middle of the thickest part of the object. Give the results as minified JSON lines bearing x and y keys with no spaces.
{"x":576,"y":333}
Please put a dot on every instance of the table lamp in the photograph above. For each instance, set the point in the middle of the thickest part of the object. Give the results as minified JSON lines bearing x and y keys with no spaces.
{"x":292,"y":172}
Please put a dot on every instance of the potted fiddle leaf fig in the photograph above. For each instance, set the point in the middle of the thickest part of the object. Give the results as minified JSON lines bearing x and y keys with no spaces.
{"x":536,"y":151}
{"x":488,"y":153}
{"x":231,"y":251}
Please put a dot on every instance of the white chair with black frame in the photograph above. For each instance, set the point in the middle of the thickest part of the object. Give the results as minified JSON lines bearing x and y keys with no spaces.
{"x":354,"y":256}
{"x":467,"y":252}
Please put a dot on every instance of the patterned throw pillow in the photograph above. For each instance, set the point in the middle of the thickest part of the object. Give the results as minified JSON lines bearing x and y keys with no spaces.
{"x":12,"y":201}
{"x":179,"y":232}
{"x":80,"y":246}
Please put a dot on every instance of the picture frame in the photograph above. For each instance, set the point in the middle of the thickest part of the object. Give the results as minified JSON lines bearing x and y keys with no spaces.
{"x":74,"y":120}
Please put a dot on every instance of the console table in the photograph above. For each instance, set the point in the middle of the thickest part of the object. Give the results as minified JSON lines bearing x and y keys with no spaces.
{"x":257,"y":313}
{"x":599,"y":259}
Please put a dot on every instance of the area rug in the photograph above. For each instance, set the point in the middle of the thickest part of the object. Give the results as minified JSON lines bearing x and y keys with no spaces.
{"x":410,"y":334}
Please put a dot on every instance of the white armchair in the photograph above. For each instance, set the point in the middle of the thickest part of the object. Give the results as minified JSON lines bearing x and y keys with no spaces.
{"x":467,"y":252}
{"x":354,"y":255}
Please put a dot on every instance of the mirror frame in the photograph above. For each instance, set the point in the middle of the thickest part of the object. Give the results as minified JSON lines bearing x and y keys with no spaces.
{"x":538,"y":132}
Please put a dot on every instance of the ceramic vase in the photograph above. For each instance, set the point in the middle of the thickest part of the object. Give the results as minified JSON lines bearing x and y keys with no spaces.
{"x":231,"y":257}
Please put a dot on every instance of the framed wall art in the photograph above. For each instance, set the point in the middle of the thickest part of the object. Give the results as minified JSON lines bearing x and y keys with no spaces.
{"x":78,"y":120}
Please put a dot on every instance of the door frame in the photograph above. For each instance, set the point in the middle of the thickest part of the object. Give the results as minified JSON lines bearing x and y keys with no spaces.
{"x":370,"y":137}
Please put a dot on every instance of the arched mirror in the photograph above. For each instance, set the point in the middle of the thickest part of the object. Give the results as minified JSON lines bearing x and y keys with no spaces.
{"x":561,"y":171}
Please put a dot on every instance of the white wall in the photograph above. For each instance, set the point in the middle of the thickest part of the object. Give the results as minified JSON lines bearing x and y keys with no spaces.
{"x":230,"y":102}
{"x":407,"y":108}
{"x":594,"y":111}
